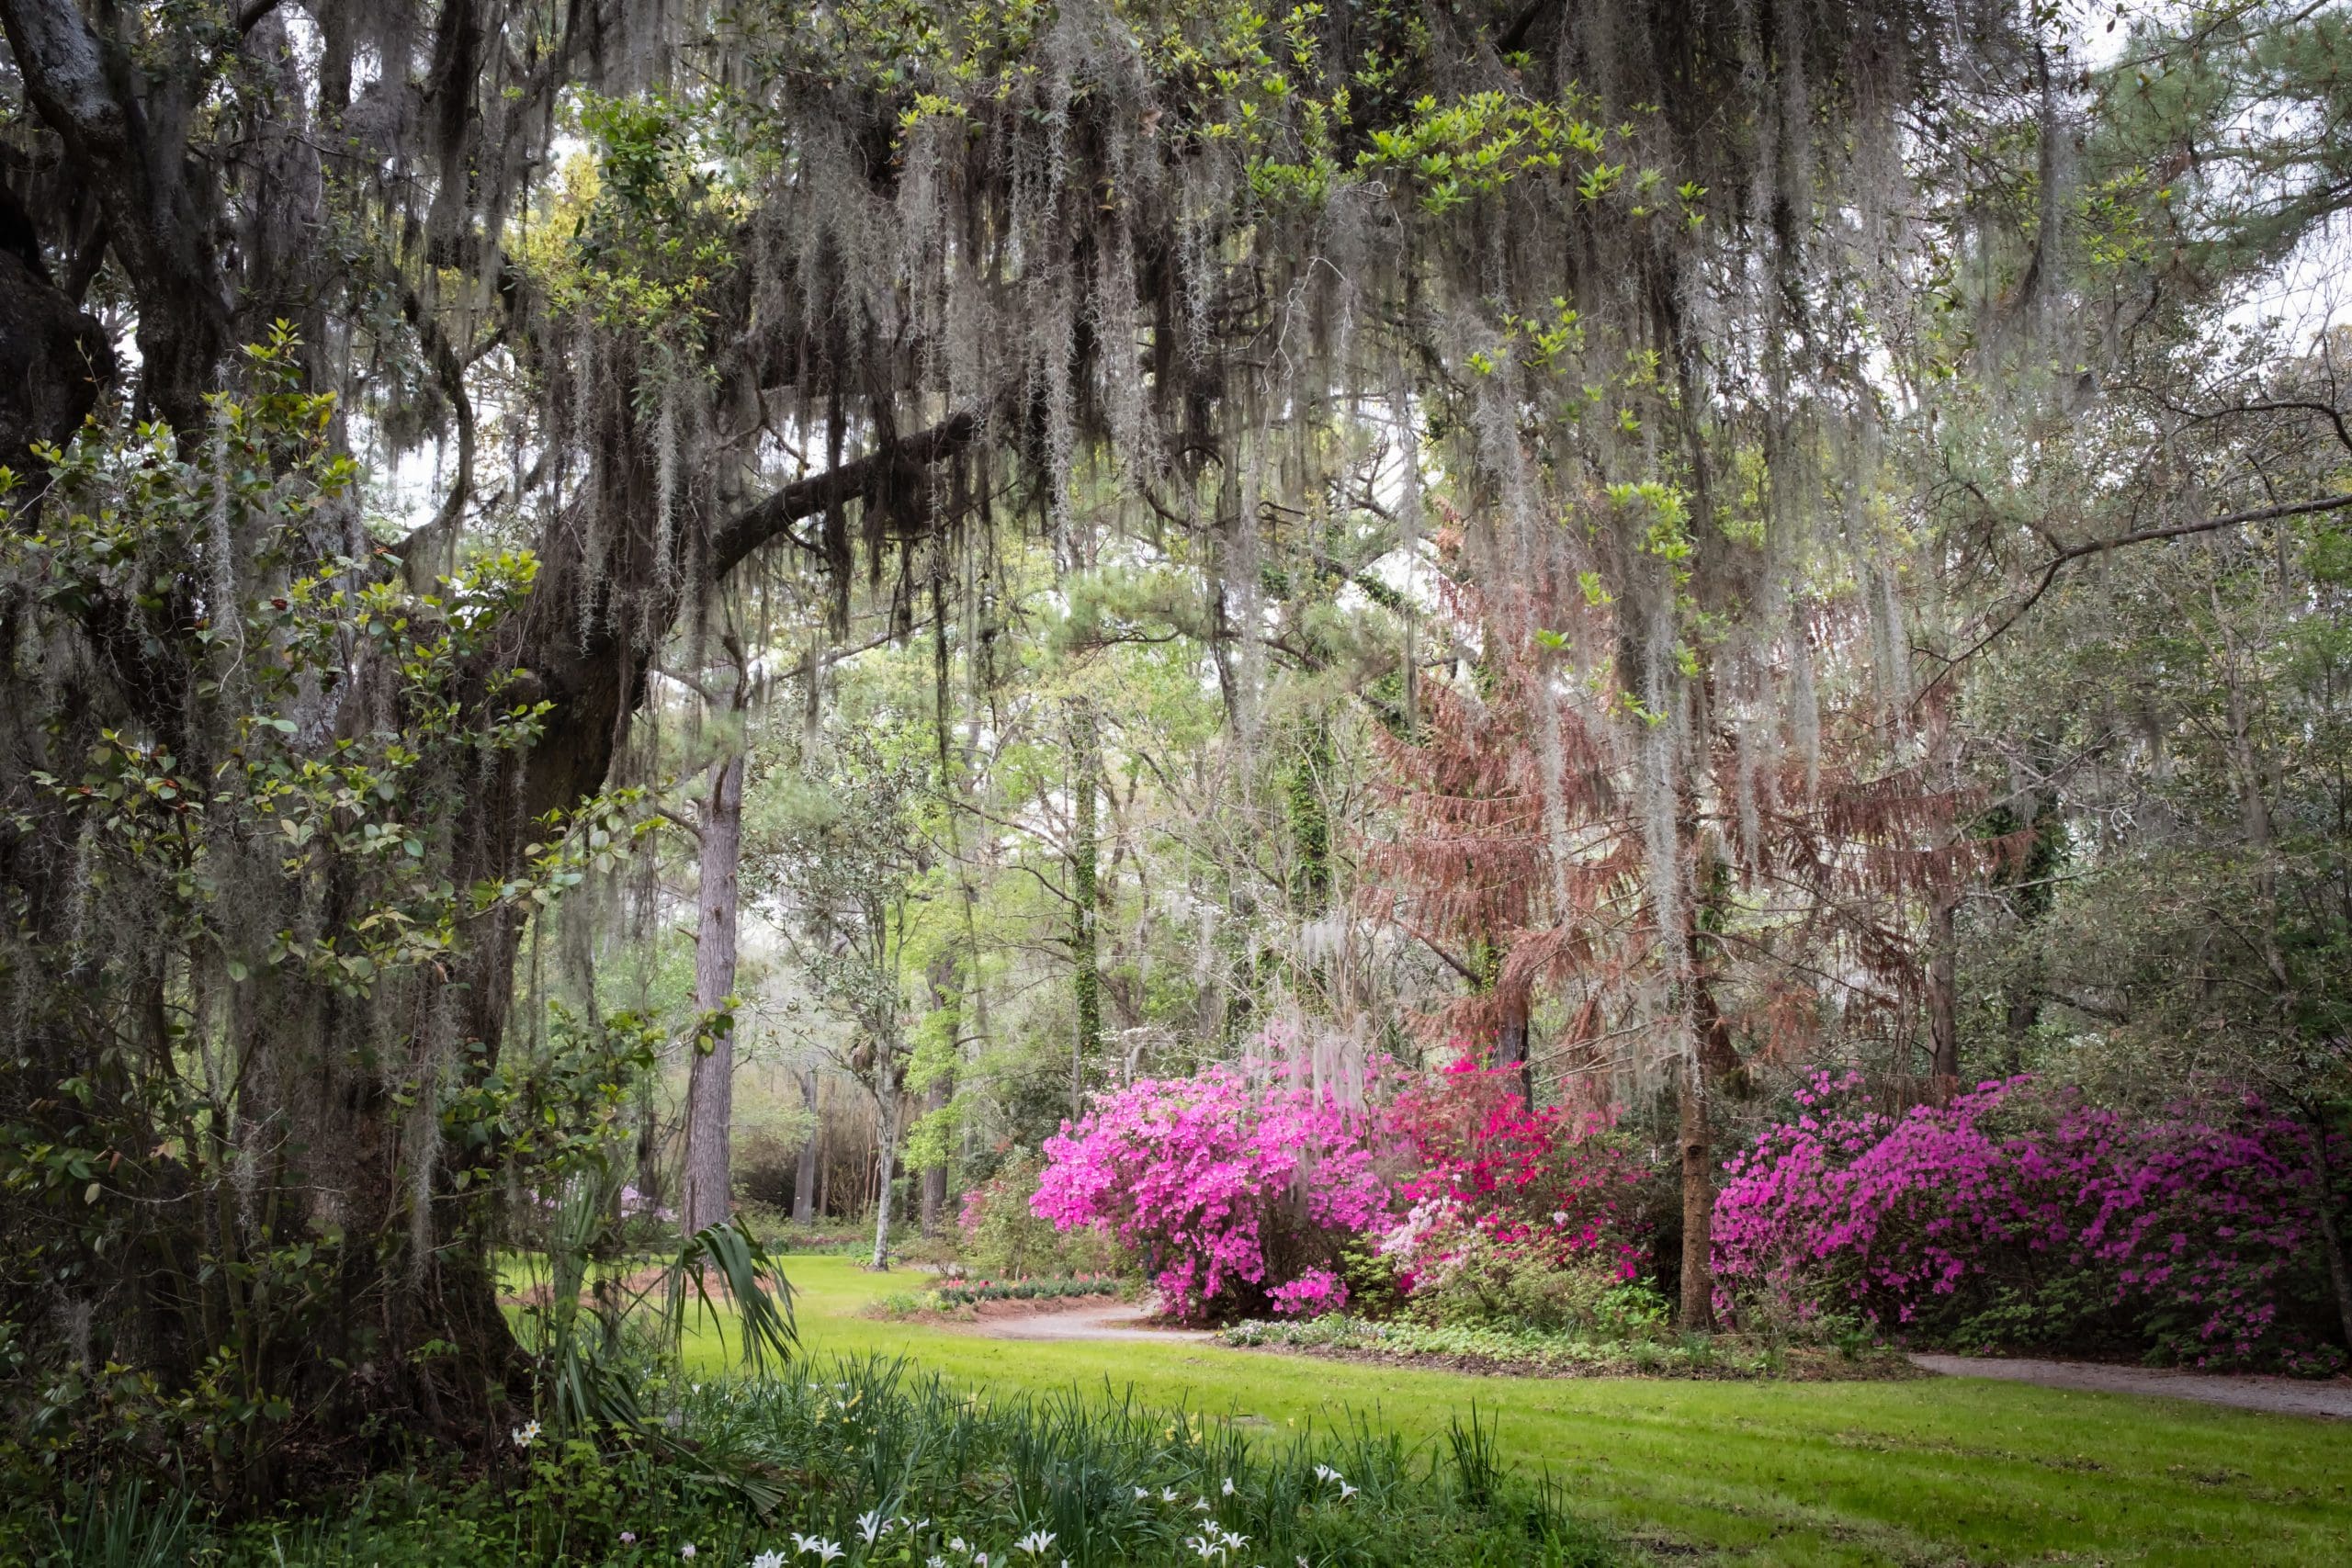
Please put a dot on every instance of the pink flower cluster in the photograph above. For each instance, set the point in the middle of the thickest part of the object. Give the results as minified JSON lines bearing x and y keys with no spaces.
{"x":1548,"y":1184}
{"x":1235,"y":1192}
{"x":2189,"y":1229}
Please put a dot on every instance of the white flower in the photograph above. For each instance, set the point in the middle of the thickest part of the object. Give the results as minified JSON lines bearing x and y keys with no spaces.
{"x":934,"y":1560}
{"x":687,"y":1552}
{"x":1228,"y":1486}
{"x":1346,"y":1491}
{"x":1325,"y":1473}
{"x":1202,"y":1506}
{"x":526,"y":1434}
{"x":1205,"y":1547}
{"x":1168,"y":1493}
{"x":768,"y":1560}
{"x":1560,"y":1216}
{"x":823,"y":1550}
{"x":871,"y":1525}
{"x":955,"y":1544}
{"x":1034,"y":1542}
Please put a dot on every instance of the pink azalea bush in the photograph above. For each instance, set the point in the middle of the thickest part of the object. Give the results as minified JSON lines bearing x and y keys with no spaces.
{"x":1548,"y":1185}
{"x":1238,"y":1194}
{"x":2022,"y":1211}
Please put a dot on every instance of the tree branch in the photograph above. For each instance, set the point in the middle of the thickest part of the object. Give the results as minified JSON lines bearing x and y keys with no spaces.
{"x":2143,"y":536}
{"x":902,"y":459}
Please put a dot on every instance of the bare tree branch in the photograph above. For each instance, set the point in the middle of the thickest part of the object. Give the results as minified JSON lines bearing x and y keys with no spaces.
{"x":2058,"y":561}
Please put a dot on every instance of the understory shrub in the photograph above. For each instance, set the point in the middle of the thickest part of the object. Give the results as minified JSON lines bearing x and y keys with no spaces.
{"x":1517,"y":1215}
{"x":2022,"y":1212}
{"x":1002,"y":1236}
{"x":1237,"y":1194}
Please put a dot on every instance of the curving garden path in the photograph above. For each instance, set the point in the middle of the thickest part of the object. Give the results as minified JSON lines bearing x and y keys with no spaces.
{"x":2278,"y":1396}
{"x":1100,"y":1321}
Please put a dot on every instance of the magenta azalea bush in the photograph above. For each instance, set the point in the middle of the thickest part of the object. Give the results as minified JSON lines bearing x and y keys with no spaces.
{"x":1237,"y":1194}
{"x":2023,"y":1211}
{"x":1549,"y":1186}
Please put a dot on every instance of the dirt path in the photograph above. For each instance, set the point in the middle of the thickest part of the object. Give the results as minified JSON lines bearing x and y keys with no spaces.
{"x":2280,"y":1396}
{"x":1100,"y":1321}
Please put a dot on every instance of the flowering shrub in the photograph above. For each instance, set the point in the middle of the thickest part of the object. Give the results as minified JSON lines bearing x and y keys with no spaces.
{"x":1228,"y":1188}
{"x":2021,"y":1210}
{"x":1547,"y":1188}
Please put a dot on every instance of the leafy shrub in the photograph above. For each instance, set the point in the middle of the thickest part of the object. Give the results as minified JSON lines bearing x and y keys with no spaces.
{"x":1003,"y":1237}
{"x":1518,"y":1216}
{"x":2022,"y":1212}
{"x":1494,"y":1282}
{"x":1227,"y":1188}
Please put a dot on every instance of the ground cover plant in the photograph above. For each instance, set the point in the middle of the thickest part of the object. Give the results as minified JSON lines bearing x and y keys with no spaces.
{"x":878,"y":1463}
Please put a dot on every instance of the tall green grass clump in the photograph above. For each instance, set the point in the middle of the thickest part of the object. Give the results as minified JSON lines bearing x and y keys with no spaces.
{"x":868,"y":1462}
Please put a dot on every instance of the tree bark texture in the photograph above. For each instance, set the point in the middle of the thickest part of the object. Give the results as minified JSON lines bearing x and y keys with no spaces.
{"x":707,"y":1197}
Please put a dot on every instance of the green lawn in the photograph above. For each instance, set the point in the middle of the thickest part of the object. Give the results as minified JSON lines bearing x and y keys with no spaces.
{"x":1938,"y":1470}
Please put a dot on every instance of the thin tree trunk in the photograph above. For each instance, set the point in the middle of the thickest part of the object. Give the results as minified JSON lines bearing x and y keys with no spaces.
{"x":710,"y":1086}
{"x":885,"y":1162}
{"x":1698,"y":1304}
{"x":1944,"y":1011}
{"x":804,"y":1180}
{"x":1710,"y":1060}
{"x":1085,"y":851}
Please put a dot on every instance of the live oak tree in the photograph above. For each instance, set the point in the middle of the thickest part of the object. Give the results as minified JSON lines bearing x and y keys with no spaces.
{"x":823,"y":297}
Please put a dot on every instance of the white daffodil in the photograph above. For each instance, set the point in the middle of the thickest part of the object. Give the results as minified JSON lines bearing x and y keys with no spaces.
{"x":1034,"y":1543}
{"x":1346,"y":1491}
{"x":768,"y":1560}
{"x":1168,"y":1493}
{"x":870,"y":1526}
